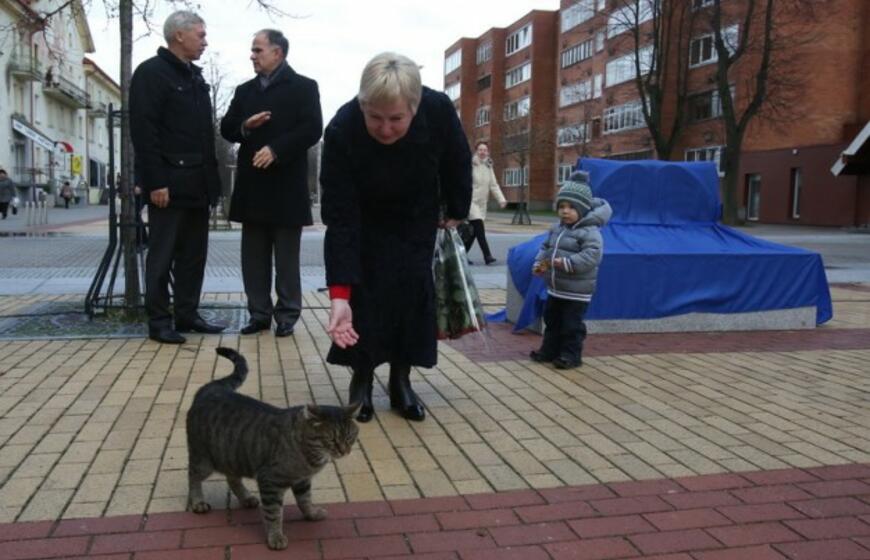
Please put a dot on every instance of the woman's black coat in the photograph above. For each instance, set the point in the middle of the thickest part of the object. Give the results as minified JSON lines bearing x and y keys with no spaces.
{"x":277,"y":195}
{"x":381,"y":208}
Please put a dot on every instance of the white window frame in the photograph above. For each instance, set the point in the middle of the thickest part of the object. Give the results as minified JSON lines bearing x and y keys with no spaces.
{"x":452,"y":61}
{"x":576,"y":53}
{"x":707,"y":153}
{"x":518,"y":75}
{"x":600,"y":37}
{"x":714,"y":103}
{"x":515,"y":176}
{"x":575,"y":93}
{"x":482,"y":116}
{"x":573,"y":134}
{"x":601,"y":5}
{"x":700,"y":45}
{"x":517,"y":109}
{"x":518,"y":40}
{"x":628,"y":116}
{"x":454,"y":91}
{"x":622,"y":69}
{"x":622,"y":20}
{"x":571,"y":17}
{"x":597,"y":85}
{"x":563,"y":172}
{"x":484,"y":52}
{"x":701,"y":4}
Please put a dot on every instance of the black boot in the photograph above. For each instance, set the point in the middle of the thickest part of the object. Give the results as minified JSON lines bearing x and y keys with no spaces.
{"x":402,"y":396}
{"x":361,"y":391}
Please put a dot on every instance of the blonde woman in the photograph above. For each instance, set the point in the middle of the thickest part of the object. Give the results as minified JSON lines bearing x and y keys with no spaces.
{"x":391,"y":158}
{"x":484,"y":184}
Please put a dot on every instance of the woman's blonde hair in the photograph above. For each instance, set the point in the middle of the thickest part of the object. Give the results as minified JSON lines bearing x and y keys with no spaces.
{"x":388,"y":77}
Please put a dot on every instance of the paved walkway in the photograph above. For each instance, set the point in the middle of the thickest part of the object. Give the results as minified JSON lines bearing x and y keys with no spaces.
{"x":691,"y":446}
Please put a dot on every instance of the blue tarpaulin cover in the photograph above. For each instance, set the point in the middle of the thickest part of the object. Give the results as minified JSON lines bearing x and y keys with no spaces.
{"x":665,"y":254}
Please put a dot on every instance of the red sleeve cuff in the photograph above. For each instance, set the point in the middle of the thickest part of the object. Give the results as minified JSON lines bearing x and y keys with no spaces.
{"x":339,"y":291}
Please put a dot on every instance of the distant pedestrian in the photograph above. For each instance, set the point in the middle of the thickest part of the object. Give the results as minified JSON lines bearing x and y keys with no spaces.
{"x":176,"y":166}
{"x":66,"y":192}
{"x":484,"y":185}
{"x":569,"y":260}
{"x":7,"y":193}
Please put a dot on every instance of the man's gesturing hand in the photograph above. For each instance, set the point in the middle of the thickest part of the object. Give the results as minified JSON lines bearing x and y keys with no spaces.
{"x":160,"y":197}
{"x":255,"y":121}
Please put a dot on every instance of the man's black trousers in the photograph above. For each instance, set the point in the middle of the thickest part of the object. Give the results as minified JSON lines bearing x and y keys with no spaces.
{"x":178,"y":244}
{"x":260,"y":243}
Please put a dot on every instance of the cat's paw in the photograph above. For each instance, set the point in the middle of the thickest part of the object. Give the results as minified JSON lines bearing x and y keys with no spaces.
{"x":276,"y":541}
{"x":250,"y":502}
{"x":200,"y":507}
{"x":315,"y":514}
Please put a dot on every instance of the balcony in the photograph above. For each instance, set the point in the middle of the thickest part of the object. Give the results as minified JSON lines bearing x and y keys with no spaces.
{"x":25,"y":67}
{"x":98,"y":109}
{"x":66,"y":92}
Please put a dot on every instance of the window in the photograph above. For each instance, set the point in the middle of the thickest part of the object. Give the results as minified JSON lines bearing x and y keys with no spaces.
{"x":629,"y":16}
{"x":563,"y":172}
{"x":753,"y":196}
{"x":572,"y":134}
{"x":452,"y":61}
{"x":796,"y":193}
{"x":518,"y":75}
{"x":711,"y":153}
{"x":575,"y":93}
{"x":698,"y":4}
{"x":516,"y":177}
{"x":632,"y":156}
{"x":484,"y":52}
{"x":602,"y":5}
{"x":622,"y":69}
{"x":707,"y":105}
{"x":702,"y":50}
{"x":599,"y":41}
{"x":576,"y":53}
{"x":484,"y":82}
{"x":516,"y":109}
{"x":453,"y":91}
{"x":624,"y":117}
{"x":519,"y":39}
{"x":598,"y":83}
{"x":582,"y":11}
{"x":481,"y":118}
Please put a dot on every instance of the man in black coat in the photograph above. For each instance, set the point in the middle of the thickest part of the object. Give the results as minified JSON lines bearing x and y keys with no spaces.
{"x":176,"y":167}
{"x":275,"y":117}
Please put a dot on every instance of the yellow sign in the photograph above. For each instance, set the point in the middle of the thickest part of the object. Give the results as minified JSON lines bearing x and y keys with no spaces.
{"x":76,"y":165}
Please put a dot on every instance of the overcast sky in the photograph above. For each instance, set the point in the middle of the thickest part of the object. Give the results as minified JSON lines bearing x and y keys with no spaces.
{"x":330,"y":40}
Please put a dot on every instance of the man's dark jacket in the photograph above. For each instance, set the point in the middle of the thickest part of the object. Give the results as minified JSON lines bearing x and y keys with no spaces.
{"x":277,"y":195}
{"x":173,"y":132}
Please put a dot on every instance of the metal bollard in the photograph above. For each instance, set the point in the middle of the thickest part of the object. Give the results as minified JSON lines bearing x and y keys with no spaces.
{"x":44,"y":213}
{"x":28,"y":213}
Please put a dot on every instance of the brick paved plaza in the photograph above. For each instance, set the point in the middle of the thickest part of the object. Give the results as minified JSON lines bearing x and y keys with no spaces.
{"x":702,"y":446}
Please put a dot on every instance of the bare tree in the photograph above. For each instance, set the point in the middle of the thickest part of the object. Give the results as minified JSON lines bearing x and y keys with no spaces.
{"x":658,"y":31}
{"x":221,"y":94}
{"x":520,"y":142}
{"x":762,"y":49}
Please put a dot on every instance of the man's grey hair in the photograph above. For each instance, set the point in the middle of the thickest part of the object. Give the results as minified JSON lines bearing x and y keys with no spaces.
{"x":179,"y":21}
{"x":275,"y":38}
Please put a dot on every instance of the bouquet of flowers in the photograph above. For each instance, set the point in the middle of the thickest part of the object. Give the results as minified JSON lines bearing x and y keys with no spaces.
{"x":457,"y":302}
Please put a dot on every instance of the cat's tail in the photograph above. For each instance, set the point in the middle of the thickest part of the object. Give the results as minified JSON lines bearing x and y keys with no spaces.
{"x":235,"y":379}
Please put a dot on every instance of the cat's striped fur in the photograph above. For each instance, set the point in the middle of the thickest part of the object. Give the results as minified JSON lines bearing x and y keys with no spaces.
{"x":281,"y":448}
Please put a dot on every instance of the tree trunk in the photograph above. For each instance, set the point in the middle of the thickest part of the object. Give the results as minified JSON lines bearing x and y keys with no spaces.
{"x":730,"y":184}
{"x":132,"y":289}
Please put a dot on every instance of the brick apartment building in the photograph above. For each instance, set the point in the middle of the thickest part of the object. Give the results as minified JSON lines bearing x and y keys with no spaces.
{"x":568,"y":77}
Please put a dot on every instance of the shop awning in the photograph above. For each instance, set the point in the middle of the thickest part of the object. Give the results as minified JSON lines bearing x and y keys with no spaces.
{"x":28,"y":131}
{"x":855,"y":160}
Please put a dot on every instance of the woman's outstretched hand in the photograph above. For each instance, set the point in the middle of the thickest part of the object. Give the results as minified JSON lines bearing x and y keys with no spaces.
{"x":340,"y":328}
{"x":449,"y":223}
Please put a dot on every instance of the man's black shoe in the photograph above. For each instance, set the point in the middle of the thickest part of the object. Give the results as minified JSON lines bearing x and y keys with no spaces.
{"x":284,"y":329}
{"x":199,"y":325}
{"x":566,"y":363}
{"x":166,"y":335}
{"x":255,"y":327}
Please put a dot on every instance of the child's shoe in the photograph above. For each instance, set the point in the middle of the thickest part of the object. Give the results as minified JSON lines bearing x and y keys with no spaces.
{"x":563,"y":363}
{"x":537,"y":356}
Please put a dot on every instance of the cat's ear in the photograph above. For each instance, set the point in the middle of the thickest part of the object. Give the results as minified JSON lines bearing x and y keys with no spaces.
{"x":310,"y":411}
{"x":352,"y":409}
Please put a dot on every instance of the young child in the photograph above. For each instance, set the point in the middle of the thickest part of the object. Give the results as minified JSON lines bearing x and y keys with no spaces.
{"x":569,"y":259}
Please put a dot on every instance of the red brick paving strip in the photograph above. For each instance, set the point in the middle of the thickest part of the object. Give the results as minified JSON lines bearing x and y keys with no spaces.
{"x":503,"y":345}
{"x":796,"y":514}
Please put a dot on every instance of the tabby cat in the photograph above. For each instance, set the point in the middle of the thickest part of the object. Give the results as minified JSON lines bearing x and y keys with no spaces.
{"x":282,"y":448}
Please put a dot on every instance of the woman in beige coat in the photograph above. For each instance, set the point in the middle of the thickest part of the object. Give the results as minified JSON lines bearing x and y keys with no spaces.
{"x":484,"y":184}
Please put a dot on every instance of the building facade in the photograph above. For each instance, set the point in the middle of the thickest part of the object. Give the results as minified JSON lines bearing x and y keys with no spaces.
{"x":594,"y":108}
{"x":52,"y":99}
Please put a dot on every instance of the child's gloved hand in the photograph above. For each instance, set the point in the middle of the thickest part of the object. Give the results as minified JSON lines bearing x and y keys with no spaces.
{"x":540,"y":267}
